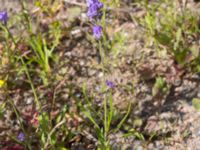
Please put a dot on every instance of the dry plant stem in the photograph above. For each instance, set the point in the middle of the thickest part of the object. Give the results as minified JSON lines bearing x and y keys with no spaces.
{"x":56,"y":88}
{"x":55,"y":92}
{"x":52,"y":131}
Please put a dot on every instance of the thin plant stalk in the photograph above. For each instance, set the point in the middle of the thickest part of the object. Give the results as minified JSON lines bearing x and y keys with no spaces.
{"x":103,"y":63}
{"x":23,"y":5}
{"x":26,"y":70}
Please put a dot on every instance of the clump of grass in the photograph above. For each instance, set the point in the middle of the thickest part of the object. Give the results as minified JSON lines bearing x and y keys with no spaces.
{"x":173,"y":28}
{"x":102,"y":119}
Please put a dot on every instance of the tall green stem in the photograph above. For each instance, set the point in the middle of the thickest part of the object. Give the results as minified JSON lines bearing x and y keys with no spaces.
{"x":26,"y":70}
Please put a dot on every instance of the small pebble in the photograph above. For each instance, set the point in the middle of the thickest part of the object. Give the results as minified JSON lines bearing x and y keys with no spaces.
{"x":29,"y":100}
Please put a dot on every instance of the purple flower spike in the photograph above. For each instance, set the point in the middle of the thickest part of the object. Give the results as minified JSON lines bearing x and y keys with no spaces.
{"x":3,"y":16}
{"x":92,"y":11}
{"x":21,"y":136}
{"x":110,"y":84}
{"x":93,"y":8}
{"x":97,"y":31}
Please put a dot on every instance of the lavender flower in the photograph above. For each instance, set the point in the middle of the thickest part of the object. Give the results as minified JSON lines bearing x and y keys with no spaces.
{"x":93,"y":8}
{"x":97,"y":31}
{"x":94,"y":12}
{"x":3,"y":17}
{"x":110,"y":84}
{"x":89,"y":2}
{"x":21,"y":136}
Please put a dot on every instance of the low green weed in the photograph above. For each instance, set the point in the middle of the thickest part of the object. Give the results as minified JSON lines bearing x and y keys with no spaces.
{"x":43,"y":44}
{"x":104,"y":118}
{"x":173,"y":27}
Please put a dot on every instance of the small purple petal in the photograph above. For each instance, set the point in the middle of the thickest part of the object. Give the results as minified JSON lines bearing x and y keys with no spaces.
{"x":89,"y":2}
{"x":99,"y":5}
{"x":110,"y":84}
{"x":21,"y":136}
{"x":3,"y":16}
{"x":97,"y":31}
